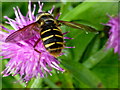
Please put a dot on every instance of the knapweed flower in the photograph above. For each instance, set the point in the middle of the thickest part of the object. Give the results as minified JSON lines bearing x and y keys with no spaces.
{"x":24,"y":60}
{"x":114,"y":34}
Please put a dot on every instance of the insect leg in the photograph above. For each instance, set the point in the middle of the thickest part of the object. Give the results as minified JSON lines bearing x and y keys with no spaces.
{"x":36,"y":42}
{"x":37,"y":51}
{"x":36,"y":45}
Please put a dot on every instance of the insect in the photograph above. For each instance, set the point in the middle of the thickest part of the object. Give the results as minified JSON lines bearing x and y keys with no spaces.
{"x":49,"y":29}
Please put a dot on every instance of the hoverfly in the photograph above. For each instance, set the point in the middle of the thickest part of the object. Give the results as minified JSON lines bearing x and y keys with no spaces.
{"x":49,"y":29}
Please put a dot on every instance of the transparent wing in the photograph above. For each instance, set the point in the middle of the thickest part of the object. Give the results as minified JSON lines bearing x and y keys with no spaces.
{"x":78,"y":26}
{"x":23,"y":34}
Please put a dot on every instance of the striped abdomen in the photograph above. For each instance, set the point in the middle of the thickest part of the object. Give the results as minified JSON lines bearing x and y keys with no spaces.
{"x":52,"y":39}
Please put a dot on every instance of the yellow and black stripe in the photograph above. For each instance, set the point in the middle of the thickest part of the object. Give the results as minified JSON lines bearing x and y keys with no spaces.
{"x":52,"y":39}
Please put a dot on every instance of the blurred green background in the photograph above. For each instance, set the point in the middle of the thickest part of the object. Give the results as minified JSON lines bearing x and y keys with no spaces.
{"x":88,"y":65}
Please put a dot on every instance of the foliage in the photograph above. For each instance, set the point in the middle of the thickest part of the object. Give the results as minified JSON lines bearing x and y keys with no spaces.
{"x":88,"y":65}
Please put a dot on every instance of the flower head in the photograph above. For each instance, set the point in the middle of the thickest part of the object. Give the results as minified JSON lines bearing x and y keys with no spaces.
{"x":114,"y":34}
{"x":24,"y":60}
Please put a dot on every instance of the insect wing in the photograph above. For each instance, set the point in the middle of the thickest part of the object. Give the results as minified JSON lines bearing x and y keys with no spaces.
{"x":23,"y":34}
{"x":78,"y":26}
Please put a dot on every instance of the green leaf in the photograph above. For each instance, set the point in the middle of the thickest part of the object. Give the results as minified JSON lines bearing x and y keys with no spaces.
{"x":97,"y":13}
{"x":7,"y":9}
{"x":81,"y":73}
{"x":96,"y":58}
{"x":107,"y":70}
{"x":65,"y":80}
{"x":77,"y":10}
{"x":81,"y":41}
{"x":50,"y":83}
{"x":36,"y":83}
{"x":92,"y":48}
{"x":65,"y":7}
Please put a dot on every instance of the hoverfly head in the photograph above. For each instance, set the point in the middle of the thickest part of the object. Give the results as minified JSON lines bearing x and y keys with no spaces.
{"x":42,"y":15}
{"x":45,"y":18}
